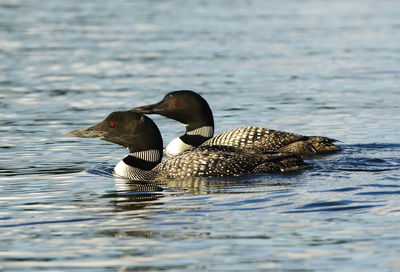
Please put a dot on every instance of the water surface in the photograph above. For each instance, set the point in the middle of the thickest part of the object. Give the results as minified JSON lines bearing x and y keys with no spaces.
{"x":311,"y":67}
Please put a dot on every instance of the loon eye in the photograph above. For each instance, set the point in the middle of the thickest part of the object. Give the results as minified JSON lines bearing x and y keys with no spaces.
{"x":176,"y":104}
{"x":112,"y":125}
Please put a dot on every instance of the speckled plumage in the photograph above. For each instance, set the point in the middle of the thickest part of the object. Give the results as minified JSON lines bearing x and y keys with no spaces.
{"x":139,"y":133}
{"x":193,"y":111}
{"x":214,"y":161}
{"x":264,"y":139}
{"x":223,"y":161}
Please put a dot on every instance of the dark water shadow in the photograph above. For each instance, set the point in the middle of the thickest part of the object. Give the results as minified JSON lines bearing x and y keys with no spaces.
{"x":373,"y":157}
{"x":41,"y":170}
{"x":131,"y":195}
{"x":335,"y":206}
{"x":135,"y":195}
{"x":378,"y":162}
{"x":46,"y":222}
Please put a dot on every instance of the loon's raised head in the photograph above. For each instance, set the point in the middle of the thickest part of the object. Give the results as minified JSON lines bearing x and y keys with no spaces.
{"x":192,"y":110}
{"x":132,"y":130}
{"x":186,"y":107}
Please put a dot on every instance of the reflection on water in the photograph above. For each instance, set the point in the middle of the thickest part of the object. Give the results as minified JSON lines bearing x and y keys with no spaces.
{"x":135,"y":195}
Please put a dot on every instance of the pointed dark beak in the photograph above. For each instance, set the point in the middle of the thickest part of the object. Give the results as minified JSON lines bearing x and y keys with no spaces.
{"x":149,"y":109}
{"x":90,"y":132}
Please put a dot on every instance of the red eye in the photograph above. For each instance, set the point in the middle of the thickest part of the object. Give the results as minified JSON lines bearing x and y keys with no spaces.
{"x":176,"y":104}
{"x":112,"y":125}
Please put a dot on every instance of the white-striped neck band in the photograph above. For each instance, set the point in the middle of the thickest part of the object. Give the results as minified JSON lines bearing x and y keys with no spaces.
{"x":152,"y":155}
{"x":206,"y":131}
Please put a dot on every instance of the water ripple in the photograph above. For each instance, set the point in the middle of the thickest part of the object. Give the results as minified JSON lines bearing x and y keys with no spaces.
{"x":380,"y":193}
{"x":335,"y":209}
{"x":49,"y":222}
{"x":276,"y":64}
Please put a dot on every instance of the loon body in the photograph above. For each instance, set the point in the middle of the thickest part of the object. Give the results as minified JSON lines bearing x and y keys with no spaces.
{"x":141,"y":136}
{"x":192,"y":110}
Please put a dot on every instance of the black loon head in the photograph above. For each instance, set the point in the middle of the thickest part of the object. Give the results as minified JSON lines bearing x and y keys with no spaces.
{"x":184,"y":106}
{"x":130,"y":129}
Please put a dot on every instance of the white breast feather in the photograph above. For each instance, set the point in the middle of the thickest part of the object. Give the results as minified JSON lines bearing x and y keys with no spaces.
{"x":176,"y":146}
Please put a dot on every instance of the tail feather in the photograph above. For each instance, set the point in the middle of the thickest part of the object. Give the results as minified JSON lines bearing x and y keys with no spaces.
{"x":312,"y":145}
{"x":282,"y":163}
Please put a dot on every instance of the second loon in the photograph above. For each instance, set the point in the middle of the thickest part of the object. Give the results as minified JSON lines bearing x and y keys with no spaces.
{"x":142,"y":137}
{"x":192,"y":110}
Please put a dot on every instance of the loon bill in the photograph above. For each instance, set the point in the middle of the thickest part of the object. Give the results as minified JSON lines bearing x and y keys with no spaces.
{"x":142,"y":137}
{"x":192,"y":110}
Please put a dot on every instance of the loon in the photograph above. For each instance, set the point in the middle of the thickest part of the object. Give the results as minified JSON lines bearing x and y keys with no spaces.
{"x":192,"y":110}
{"x":142,"y":137}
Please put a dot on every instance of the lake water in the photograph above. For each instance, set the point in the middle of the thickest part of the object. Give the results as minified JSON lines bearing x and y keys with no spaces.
{"x":327,"y":68}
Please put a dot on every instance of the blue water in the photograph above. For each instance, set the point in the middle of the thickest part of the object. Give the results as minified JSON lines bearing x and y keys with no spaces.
{"x":327,"y":68}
